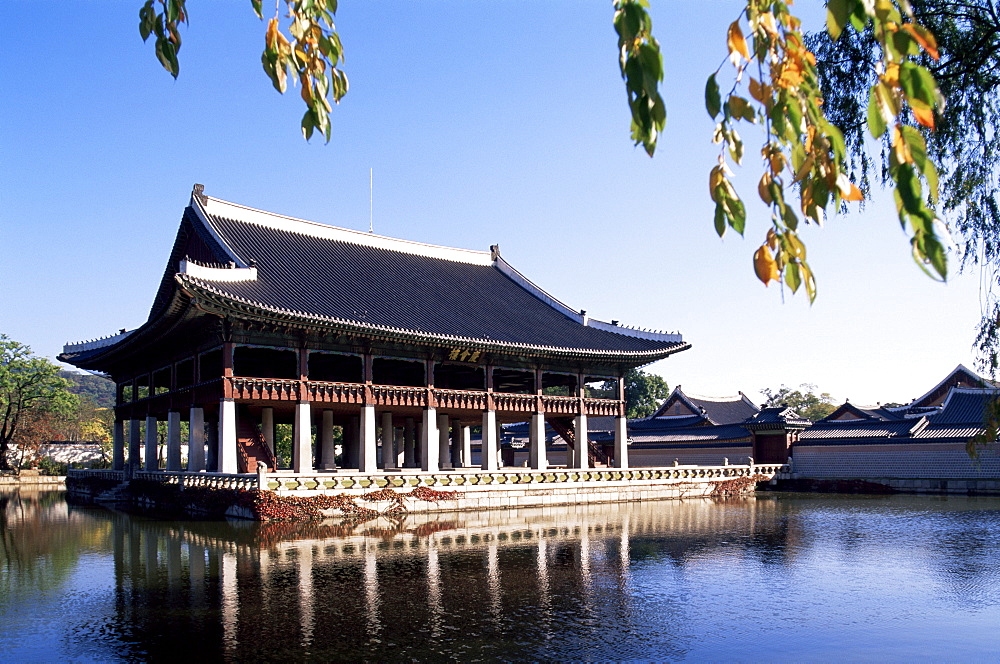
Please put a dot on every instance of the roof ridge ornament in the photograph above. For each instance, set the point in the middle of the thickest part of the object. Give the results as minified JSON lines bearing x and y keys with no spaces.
{"x":198,"y":193}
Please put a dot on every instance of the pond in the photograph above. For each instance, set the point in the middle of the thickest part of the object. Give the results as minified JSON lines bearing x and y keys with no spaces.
{"x":776,"y":576}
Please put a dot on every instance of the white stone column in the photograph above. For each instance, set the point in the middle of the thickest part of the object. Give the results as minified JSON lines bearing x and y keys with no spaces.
{"x":173,"y":440}
{"x":152,"y":463}
{"x":302,"y":459}
{"x":366,"y":448}
{"x":196,"y":439}
{"x":444,"y":442}
{"x":327,"y":452}
{"x":428,"y":441}
{"x":118,"y":446}
{"x":488,"y":451}
{"x":467,"y":447}
{"x":536,"y":442}
{"x":228,"y":462}
{"x":410,"y":444}
{"x":267,"y":427}
{"x":581,"y":458}
{"x":388,"y":439}
{"x":621,"y":442}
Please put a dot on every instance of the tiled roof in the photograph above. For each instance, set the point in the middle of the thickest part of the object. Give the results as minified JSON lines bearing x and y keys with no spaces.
{"x":717,"y":410}
{"x":719,"y":433}
{"x":965,"y":406}
{"x":663,"y":423}
{"x":880,"y":429}
{"x":782,"y":416}
{"x":355,"y":280}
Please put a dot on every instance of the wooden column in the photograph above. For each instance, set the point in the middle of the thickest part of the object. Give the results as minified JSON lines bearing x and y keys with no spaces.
{"x":581,"y":456}
{"x":429,"y":459}
{"x":457,"y":460}
{"x":467,"y":447}
{"x":621,"y":443}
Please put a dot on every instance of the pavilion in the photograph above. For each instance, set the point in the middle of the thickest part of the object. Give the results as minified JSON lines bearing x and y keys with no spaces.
{"x":262,"y":319}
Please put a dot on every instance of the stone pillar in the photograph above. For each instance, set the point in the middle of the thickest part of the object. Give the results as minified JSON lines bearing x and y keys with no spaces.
{"x":444,"y":442}
{"x":267,"y":427}
{"x":581,"y":458}
{"x":152,"y":463}
{"x":456,"y":444}
{"x":196,"y":439}
{"x":135,"y":444}
{"x":327,"y":452}
{"x":621,"y":442}
{"x":118,"y":446}
{"x":388,"y":439}
{"x":351,"y":443}
{"x":410,"y":444}
{"x":488,"y":451}
{"x":212,"y":447}
{"x":173,"y":440}
{"x":366,"y":450}
{"x":228,"y":462}
{"x":467,"y":447}
{"x":302,"y":460}
{"x":428,"y":441}
{"x":399,"y":444}
{"x":536,"y":442}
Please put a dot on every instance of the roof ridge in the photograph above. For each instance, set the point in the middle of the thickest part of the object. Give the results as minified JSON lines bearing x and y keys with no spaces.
{"x":227,"y":209}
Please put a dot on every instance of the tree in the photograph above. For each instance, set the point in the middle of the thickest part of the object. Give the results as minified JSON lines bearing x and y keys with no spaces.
{"x":31,"y":392}
{"x":803,"y":401}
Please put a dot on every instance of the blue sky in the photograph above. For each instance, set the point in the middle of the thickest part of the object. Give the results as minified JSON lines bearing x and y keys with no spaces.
{"x":485,"y":123}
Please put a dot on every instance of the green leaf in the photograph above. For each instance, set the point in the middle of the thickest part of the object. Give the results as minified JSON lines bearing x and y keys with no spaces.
{"x":257,"y":8}
{"x":876,"y":123}
{"x":792,"y":277}
{"x":918,"y":83}
{"x":713,"y":99}
{"x":837,"y":13}
{"x":737,"y":214}
{"x":720,"y":220}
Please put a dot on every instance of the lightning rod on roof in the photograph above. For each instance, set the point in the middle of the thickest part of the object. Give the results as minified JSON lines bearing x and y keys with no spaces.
{"x":371,"y":200}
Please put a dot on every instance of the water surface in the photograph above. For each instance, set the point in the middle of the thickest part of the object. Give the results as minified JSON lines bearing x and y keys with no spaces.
{"x":777,"y":577}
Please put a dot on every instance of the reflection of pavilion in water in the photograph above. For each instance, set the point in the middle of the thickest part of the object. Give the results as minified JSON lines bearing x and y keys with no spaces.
{"x":241,"y":587}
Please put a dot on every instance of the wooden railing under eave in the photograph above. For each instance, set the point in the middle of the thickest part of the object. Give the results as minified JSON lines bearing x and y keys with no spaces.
{"x":279,"y":389}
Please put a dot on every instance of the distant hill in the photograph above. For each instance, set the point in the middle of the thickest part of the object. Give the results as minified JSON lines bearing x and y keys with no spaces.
{"x":100,"y":390}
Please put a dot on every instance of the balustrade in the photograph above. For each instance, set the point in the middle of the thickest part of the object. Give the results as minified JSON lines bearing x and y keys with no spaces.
{"x":269,"y":389}
{"x":519,"y":403}
{"x":394,"y":395}
{"x":336,"y":392}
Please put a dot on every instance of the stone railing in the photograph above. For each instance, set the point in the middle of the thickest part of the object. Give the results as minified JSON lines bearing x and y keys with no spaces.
{"x":211,"y":480}
{"x":99,"y":474}
{"x":454,"y":480}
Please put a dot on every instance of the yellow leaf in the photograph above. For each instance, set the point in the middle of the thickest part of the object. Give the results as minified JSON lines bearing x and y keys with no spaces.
{"x":924,"y":37}
{"x":764,"y":265}
{"x":891,"y":75}
{"x":736,"y":43}
{"x":767,"y":22}
{"x":900,"y":148}
{"x":757,"y":91}
{"x":763,"y":188}
{"x":715,"y":178}
{"x":922,"y":113}
{"x":772,"y":239}
{"x":854,"y":194}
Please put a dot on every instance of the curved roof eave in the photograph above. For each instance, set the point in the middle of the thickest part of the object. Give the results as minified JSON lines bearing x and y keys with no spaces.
{"x":205,"y":294}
